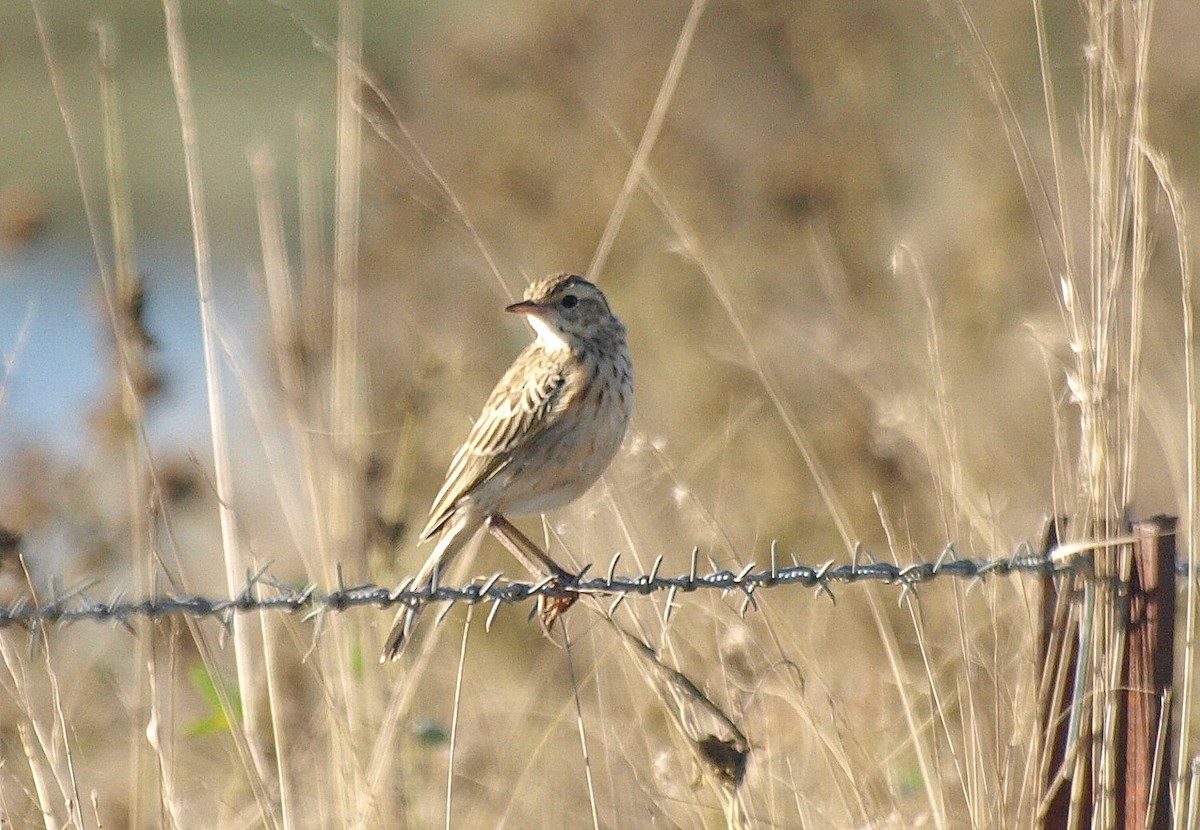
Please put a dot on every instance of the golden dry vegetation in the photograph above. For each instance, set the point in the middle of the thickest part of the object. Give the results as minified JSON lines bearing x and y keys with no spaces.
{"x":895,"y":273}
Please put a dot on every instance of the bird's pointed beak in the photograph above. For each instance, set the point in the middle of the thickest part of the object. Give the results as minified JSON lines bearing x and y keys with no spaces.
{"x":524,"y":307}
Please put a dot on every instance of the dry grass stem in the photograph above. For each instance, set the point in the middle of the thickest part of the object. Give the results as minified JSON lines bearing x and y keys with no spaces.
{"x":641,"y":156}
{"x":244,"y":654}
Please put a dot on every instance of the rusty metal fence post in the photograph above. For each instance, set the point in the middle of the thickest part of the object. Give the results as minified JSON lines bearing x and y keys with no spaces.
{"x":1144,"y":751}
{"x":1145,"y":756}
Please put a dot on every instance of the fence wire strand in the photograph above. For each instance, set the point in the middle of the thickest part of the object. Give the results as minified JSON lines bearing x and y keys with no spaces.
{"x":263,"y":592}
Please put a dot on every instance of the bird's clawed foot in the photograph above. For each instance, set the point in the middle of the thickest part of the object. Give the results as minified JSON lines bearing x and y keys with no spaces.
{"x":551,"y":606}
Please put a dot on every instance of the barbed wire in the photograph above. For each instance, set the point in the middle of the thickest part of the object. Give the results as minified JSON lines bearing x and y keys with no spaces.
{"x":75,"y":606}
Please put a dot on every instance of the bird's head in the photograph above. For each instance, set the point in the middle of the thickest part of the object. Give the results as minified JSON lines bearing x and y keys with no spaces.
{"x":566,"y":309}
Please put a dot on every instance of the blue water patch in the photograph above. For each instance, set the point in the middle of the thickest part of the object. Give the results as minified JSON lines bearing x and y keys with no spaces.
{"x":55,"y":332}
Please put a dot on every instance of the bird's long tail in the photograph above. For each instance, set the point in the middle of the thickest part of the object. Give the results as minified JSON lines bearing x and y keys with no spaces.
{"x":452,"y":541}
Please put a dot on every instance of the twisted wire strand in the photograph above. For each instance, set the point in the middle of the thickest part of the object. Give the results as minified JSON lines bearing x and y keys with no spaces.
{"x":263,"y":593}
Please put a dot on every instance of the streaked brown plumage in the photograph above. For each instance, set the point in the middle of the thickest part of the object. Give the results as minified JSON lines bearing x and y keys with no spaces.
{"x":547,"y":432}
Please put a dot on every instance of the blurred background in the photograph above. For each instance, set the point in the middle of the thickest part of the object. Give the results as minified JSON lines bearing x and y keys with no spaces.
{"x":807,"y":145}
{"x":837,"y":255}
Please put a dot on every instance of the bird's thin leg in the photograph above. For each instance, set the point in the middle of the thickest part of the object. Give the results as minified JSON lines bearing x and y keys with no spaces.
{"x":526,"y":551}
{"x":524,"y":548}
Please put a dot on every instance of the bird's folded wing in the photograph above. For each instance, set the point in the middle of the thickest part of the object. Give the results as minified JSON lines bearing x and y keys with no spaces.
{"x":519,"y":409}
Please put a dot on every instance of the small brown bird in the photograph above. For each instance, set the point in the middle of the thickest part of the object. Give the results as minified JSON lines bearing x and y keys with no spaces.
{"x":547,"y":432}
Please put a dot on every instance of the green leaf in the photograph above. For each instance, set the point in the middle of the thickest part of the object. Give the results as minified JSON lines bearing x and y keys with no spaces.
{"x":216,"y":721}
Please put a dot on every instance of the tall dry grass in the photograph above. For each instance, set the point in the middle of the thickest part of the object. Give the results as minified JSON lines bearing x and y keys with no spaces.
{"x":795,"y":383}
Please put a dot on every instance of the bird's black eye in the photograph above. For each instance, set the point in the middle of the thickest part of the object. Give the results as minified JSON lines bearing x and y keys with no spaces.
{"x":569,"y":301}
